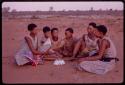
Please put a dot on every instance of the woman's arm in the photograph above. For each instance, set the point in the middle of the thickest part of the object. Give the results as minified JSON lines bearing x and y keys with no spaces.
{"x":102,"y":48}
{"x":34,"y":51}
{"x":77,"y":46}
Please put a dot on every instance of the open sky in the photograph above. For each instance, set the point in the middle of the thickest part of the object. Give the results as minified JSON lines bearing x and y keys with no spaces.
{"x":44,"y":6}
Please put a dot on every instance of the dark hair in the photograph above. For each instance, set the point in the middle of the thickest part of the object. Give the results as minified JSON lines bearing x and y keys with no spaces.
{"x":31,"y":26}
{"x":92,"y":24}
{"x":102,"y":28}
{"x":69,"y":29}
{"x":54,"y":29}
{"x":46,"y":29}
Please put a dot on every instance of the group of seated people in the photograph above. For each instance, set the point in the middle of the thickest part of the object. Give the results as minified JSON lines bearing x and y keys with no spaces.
{"x":94,"y":52}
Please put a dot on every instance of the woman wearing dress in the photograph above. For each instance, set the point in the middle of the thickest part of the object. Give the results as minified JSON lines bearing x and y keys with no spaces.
{"x":104,"y":60}
{"x":29,"y":50}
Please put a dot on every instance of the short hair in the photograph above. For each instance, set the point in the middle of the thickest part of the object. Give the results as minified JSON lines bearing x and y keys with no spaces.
{"x":102,"y":28}
{"x":70,"y":30}
{"x":46,"y":29}
{"x":54,"y":29}
{"x":92,"y":24}
{"x":31,"y":27}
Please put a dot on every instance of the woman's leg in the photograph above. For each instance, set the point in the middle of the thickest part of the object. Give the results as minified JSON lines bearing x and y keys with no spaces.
{"x":21,"y":60}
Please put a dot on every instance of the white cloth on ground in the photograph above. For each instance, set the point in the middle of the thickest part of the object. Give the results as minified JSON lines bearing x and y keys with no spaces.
{"x":98,"y":67}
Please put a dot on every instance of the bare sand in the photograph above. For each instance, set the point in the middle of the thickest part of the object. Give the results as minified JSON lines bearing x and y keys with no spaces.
{"x":13,"y":31}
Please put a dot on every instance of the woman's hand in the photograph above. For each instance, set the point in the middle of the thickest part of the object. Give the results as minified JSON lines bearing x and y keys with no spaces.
{"x":43,"y":53}
{"x":80,"y":60}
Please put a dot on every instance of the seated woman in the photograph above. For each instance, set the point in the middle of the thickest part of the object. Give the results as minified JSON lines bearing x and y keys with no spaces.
{"x":55,"y":38}
{"x":54,"y":44}
{"x":61,"y":48}
{"x":29,"y":51}
{"x":45,"y":40}
{"x":104,"y":60}
{"x":87,"y":45}
{"x":66,"y":46}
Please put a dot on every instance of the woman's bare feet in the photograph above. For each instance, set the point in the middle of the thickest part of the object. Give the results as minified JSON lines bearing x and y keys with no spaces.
{"x":34,"y":63}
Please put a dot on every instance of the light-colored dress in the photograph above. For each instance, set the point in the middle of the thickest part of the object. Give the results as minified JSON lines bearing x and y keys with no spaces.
{"x":91,"y":46}
{"x":24,"y":55}
{"x":44,"y":44}
{"x":101,"y":67}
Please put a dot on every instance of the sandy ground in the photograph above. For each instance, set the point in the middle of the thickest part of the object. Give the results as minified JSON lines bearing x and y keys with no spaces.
{"x":14,"y":30}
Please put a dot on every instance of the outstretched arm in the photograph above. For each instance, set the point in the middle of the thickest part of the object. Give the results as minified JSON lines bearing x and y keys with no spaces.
{"x":78,"y":45}
{"x":102,"y":48}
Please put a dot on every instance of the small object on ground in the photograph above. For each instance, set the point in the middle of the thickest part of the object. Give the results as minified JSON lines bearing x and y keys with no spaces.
{"x":59,"y":62}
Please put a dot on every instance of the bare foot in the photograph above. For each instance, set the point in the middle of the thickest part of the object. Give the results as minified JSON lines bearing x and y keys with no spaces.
{"x":34,"y":63}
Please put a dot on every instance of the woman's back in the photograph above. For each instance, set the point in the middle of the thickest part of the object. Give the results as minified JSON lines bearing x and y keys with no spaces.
{"x":111,"y":51}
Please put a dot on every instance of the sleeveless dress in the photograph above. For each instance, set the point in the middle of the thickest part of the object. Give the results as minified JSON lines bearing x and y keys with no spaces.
{"x":91,"y":46}
{"x":101,"y":67}
{"x":24,"y":55}
{"x":110,"y":52}
{"x":44,"y":44}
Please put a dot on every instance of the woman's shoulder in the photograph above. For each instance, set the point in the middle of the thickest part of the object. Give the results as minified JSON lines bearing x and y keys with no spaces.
{"x":62,"y":39}
{"x":83,"y":37}
{"x":42,"y":39}
{"x":106,"y":38}
{"x":76,"y":39}
{"x":105,"y":41}
{"x":26,"y":36}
